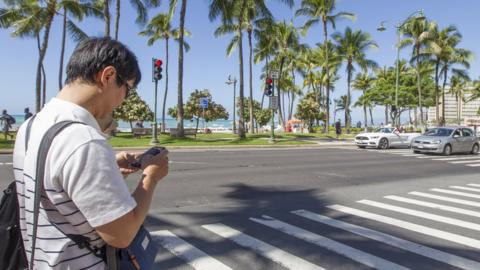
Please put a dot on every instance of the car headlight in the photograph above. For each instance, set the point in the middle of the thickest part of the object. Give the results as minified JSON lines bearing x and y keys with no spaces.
{"x":374,"y":137}
{"x":436,"y":142}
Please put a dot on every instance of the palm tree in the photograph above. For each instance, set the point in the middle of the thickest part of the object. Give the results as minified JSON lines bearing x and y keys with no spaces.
{"x":457,"y":88}
{"x":363,"y":82}
{"x":418,"y":34}
{"x":78,"y":10}
{"x":181,"y":46}
{"x":439,"y":47}
{"x":140,"y":7}
{"x":160,"y":28}
{"x":352,"y":46}
{"x":321,"y":10}
{"x":342,"y":105}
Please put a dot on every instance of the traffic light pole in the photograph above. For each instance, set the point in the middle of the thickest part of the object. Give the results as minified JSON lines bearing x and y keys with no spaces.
{"x":154,"y":140}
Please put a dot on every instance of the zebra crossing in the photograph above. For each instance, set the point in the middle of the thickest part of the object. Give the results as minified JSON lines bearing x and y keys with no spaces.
{"x":466,"y":160}
{"x":439,"y":225}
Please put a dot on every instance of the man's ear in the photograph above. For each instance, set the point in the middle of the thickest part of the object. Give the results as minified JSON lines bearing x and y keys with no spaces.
{"x":107,"y":76}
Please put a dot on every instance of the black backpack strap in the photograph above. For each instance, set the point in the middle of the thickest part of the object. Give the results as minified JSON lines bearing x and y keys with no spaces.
{"x":27,"y":135}
{"x":40,"y":174}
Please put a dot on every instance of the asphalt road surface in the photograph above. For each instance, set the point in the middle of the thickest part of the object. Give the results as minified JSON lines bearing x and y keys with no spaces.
{"x":314,"y":208}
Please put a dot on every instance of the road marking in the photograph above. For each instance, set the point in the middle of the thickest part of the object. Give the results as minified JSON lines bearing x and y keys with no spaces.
{"x":474,"y":185}
{"x":455,"y":158}
{"x":349,"y":252}
{"x":470,"y":195}
{"x":435,"y":206}
{"x":279,"y":256}
{"x":409,"y":246}
{"x":465,"y":161}
{"x":410,"y":155}
{"x":6,"y":163}
{"x":192,"y":255}
{"x":459,"y":239}
{"x":425,"y":215}
{"x":447,"y":199}
{"x":473,"y":165}
{"x":466,"y":188}
{"x":425,"y":157}
{"x":187,"y":162}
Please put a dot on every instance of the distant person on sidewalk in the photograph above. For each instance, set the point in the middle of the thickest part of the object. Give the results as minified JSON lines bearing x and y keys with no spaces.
{"x":85,"y":192}
{"x":338,"y":128}
{"x":7,"y":121}
{"x":27,"y":112}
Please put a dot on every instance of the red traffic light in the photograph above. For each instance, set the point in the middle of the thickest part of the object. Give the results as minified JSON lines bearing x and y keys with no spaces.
{"x":158,"y":62}
{"x":269,"y":81}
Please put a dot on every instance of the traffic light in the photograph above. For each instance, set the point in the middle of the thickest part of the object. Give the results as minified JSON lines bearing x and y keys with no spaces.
{"x":269,"y":87}
{"x":157,"y":69}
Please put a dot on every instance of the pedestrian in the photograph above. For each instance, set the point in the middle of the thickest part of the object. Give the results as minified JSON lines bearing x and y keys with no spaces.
{"x":27,"y":112}
{"x":338,"y":128}
{"x":85,"y":192}
{"x":7,"y":121}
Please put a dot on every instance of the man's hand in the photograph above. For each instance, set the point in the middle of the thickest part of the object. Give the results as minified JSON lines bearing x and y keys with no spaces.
{"x":156,"y":166}
{"x":123,"y":160}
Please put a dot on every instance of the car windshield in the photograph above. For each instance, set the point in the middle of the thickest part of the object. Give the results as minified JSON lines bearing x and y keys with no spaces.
{"x":385,"y":130}
{"x":443,"y":132}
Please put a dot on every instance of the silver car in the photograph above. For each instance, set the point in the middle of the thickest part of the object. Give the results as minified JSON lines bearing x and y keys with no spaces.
{"x":446,"y":140}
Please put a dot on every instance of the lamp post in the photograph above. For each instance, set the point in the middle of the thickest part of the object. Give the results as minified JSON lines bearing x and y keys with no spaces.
{"x":381,"y":28}
{"x":234,"y":82}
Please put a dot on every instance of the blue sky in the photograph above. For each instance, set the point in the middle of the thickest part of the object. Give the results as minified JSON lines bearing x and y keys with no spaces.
{"x":206,"y":65}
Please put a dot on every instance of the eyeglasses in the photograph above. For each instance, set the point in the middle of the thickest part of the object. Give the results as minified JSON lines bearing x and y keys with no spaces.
{"x":127,"y":86}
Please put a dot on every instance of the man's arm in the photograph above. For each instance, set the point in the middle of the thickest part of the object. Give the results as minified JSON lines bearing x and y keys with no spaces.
{"x":120,"y":232}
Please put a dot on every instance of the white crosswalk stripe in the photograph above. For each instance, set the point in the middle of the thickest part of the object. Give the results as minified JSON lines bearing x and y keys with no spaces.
{"x":465,"y":161}
{"x":466,"y":188}
{"x":279,"y":256}
{"x":417,"y":248}
{"x":455,"y":158}
{"x":456,"y":238}
{"x":421,"y":214}
{"x":447,"y":199}
{"x":470,"y":195}
{"x":473,"y":185}
{"x":435,"y":206}
{"x":194,"y":257}
{"x":354,"y":254}
{"x":473,"y":165}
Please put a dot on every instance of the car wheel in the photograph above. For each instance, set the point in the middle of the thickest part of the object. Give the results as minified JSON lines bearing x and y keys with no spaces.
{"x":416,"y":152}
{"x":475,"y":149}
{"x":447,"y":151}
{"x":362,"y":147}
{"x":383,"y":144}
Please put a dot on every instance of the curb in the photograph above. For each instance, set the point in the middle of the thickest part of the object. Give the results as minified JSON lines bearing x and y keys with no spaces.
{"x":221,"y":147}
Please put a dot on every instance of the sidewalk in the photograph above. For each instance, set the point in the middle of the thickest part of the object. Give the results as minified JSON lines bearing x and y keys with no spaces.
{"x":319,"y":142}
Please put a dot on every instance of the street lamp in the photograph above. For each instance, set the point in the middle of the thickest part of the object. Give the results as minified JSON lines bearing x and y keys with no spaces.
{"x":234,"y":82}
{"x":419,"y":16}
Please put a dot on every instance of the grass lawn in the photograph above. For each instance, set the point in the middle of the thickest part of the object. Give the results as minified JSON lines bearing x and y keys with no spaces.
{"x":215,"y":139}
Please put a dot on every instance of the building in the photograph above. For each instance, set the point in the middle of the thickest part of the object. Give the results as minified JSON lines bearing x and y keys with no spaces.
{"x":463,"y":113}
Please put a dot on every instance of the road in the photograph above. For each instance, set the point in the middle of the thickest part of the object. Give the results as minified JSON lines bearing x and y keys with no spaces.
{"x":314,"y":208}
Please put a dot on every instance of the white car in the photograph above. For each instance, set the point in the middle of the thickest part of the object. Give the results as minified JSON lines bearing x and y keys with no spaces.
{"x":385,"y":138}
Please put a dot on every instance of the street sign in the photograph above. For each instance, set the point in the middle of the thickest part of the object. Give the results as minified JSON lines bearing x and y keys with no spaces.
{"x":274,"y":102}
{"x":204,"y":103}
{"x":274,"y":74}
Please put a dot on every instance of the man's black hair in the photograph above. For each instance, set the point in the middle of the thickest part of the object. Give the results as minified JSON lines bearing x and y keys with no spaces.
{"x":94,"y":54}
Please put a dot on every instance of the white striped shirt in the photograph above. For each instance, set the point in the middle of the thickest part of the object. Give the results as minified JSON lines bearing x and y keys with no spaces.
{"x":82,"y":181}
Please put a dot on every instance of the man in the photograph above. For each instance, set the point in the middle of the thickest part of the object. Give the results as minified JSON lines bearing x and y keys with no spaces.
{"x":338,"y":128}
{"x":83,"y":181}
{"x":7,"y":120}
{"x":27,"y":112}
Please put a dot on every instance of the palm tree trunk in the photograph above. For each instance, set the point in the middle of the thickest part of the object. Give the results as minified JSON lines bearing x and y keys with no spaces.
{"x":371,"y":116}
{"x":48,"y":23}
{"x":183,"y":11}
{"x":347,"y":103}
{"x":280,"y":112}
{"x":117,"y":19}
{"x":419,"y":87}
{"x":327,"y":70}
{"x":386,"y":114}
{"x":62,"y":50}
{"x":263,"y":96}
{"x":44,"y":85}
{"x":241,"y":117}
{"x":443,"y":94}
{"x":289,"y":106}
{"x":166,"y":86}
{"x":283,"y":106}
{"x":365,"y":122}
{"x":106,"y":17}
{"x":250,"y":61}
{"x":437,"y":107}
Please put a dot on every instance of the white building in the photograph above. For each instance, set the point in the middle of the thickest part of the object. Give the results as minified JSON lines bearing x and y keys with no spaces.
{"x":457,"y":112}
